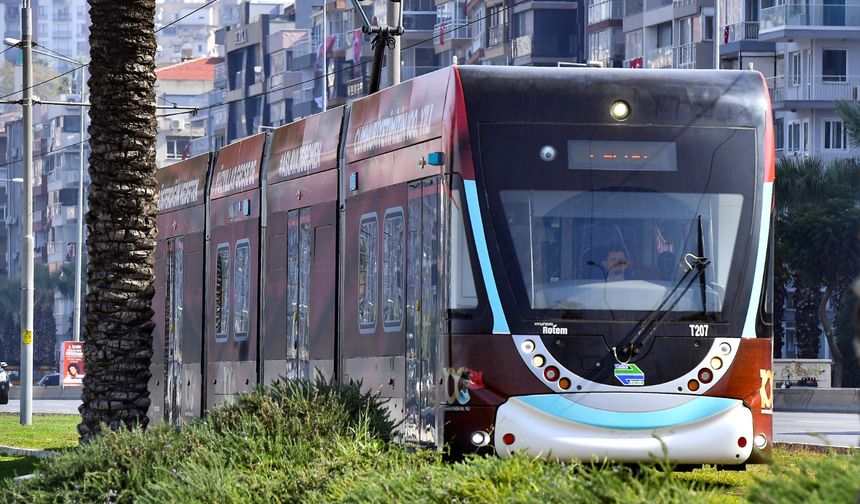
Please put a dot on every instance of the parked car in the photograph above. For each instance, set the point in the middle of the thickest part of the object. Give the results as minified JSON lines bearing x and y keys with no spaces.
{"x":50,"y":380}
{"x":4,"y":384}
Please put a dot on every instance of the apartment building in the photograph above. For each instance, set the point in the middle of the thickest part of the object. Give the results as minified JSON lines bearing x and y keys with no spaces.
{"x":669,"y":34}
{"x":522,"y":33}
{"x":188,"y":84}
{"x":185,"y":31}
{"x":63,"y":27}
{"x":817,"y":63}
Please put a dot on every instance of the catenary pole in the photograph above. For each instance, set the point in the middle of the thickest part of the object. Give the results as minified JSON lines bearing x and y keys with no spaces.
{"x":28,"y":242}
{"x":79,"y":247}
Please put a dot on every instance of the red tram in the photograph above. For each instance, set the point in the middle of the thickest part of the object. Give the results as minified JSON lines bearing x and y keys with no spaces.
{"x":570,"y":262}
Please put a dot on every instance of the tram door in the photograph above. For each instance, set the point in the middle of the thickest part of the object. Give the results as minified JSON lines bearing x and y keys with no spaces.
{"x":298,"y":298}
{"x":173,"y":382}
{"x":423,"y":318}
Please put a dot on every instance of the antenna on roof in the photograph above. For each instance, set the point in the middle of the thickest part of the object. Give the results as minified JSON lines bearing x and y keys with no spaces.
{"x":384,"y":38}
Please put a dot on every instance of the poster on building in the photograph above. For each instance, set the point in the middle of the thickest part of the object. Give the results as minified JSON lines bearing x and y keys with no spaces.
{"x":73,"y":363}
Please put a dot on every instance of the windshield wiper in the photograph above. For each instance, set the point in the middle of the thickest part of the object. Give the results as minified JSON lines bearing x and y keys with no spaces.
{"x":640,"y":334}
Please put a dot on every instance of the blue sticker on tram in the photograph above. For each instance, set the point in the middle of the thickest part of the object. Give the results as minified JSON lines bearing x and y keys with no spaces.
{"x":629,"y":374}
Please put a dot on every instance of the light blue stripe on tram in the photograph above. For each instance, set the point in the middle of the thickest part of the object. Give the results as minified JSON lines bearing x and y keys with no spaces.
{"x":748,"y":330}
{"x":500,"y":323}
{"x":695,"y":410}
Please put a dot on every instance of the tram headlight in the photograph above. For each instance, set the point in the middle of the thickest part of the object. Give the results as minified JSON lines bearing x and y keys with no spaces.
{"x":480,"y":438}
{"x":716,"y":362}
{"x":725,"y":348}
{"x":548,"y":153}
{"x":538,"y":361}
{"x":527,"y":346}
{"x":619,"y":110}
{"x":760,"y":441}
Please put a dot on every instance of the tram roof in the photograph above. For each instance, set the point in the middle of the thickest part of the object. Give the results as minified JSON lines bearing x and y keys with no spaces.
{"x":534,"y":94}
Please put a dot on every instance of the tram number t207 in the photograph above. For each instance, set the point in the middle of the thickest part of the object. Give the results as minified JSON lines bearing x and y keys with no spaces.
{"x":699,"y":330}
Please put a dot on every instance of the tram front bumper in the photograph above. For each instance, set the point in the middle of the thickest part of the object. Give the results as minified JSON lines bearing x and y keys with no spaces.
{"x":626,"y":427}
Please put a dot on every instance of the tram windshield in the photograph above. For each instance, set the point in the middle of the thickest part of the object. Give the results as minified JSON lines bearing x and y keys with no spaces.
{"x":601,"y":222}
{"x":612,"y":250}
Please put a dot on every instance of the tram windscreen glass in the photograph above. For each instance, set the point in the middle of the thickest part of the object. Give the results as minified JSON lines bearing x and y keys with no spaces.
{"x":622,"y":155}
{"x":620,"y":250}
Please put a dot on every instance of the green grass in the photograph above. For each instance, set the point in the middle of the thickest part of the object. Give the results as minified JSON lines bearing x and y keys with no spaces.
{"x":14,"y":465}
{"x":326,"y":442}
{"x":48,"y":432}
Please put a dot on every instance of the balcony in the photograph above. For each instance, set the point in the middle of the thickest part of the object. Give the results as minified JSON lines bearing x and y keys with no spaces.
{"x":601,"y":11}
{"x":661,"y":57}
{"x":684,"y":56}
{"x":817,"y":88}
{"x":55,"y":247}
{"x":743,"y":31}
{"x":798,"y":15}
{"x":495,"y":35}
{"x":450,"y":31}
{"x":521,"y":47}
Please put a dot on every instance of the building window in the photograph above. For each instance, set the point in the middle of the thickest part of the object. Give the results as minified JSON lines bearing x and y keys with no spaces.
{"x":835,"y":137}
{"x":778,"y":134}
{"x":392,"y":270}
{"x":633,"y":44}
{"x":242,"y":292}
{"x":708,"y":27}
{"x":178,"y":148}
{"x":794,"y":69}
{"x":793,"y":137}
{"x":367,"y":276}
{"x":222,"y":291}
{"x":833,"y":65}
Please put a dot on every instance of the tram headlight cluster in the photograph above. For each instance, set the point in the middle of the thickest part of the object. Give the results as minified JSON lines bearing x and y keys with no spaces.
{"x":619,"y":110}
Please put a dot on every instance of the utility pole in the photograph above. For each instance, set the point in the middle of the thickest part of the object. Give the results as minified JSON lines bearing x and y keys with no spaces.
{"x":394,"y":61}
{"x":717,"y":35}
{"x":79,"y":247}
{"x":27,"y":287}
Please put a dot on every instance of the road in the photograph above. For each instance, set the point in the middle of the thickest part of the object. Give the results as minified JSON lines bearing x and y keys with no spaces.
{"x":837,"y":429}
{"x":69,"y":407}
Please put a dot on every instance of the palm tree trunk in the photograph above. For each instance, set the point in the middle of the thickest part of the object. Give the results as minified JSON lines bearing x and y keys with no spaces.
{"x":806,"y":323}
{"x":831,"y":339}
{"x":779,"y":293}
{"x":121,"y":219}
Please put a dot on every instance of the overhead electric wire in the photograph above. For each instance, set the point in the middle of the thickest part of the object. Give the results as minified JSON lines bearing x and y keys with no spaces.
{"x":207,"y":4}
{"x":315,"y":78}
{"x":323,"y":76}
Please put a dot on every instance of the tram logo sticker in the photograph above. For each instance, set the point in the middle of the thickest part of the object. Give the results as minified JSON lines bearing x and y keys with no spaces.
{"x":460,"y":382}
{"x":629,"y":374}
{"x":550,"y":328}
{"x":766,"y":389}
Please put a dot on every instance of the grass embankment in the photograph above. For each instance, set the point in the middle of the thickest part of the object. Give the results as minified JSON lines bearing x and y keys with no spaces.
{"x":329,"y":443}
{"x":48,"y":432}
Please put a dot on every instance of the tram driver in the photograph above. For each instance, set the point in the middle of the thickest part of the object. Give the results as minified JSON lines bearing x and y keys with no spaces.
{"x":615,"y":263}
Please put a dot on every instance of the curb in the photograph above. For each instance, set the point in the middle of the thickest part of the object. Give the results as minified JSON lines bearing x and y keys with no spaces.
{"x":844,"y":450}
{"x":27,"y":452}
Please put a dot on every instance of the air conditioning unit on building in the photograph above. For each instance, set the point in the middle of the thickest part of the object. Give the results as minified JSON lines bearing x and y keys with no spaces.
{"x":11,"y":221}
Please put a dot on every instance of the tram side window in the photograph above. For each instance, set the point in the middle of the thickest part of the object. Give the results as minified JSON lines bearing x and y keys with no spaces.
{"x":462,"y":292}
{"x":392,"y":270}
{"x":222,"y":291}
{"x":242,"y":291}
{"x":367,"y":272}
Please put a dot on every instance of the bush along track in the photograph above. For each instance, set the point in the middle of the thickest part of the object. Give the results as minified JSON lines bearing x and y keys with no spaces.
{"x":327,"y":442}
